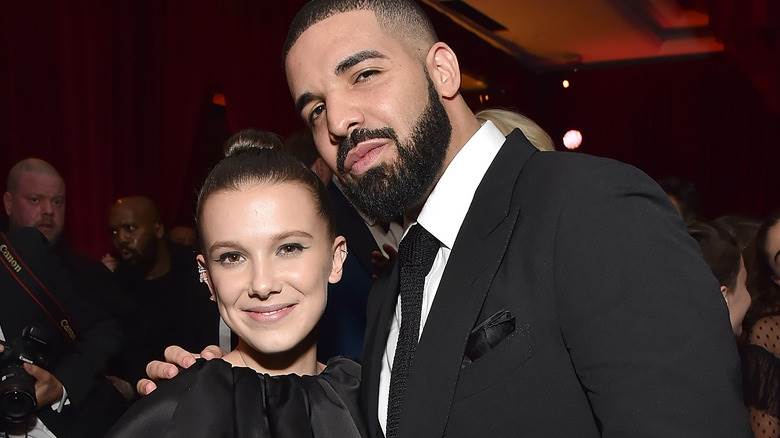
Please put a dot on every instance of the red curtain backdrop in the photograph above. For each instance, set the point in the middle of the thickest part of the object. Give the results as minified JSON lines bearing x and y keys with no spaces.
{"x":117,"y":95}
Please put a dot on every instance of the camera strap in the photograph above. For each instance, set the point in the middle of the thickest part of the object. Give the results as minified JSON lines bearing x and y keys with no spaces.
{"x":35,"y":288}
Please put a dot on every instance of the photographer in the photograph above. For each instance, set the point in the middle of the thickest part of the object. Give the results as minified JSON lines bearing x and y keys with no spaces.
{"x":73,"y":398}
{"x":40,"y":289}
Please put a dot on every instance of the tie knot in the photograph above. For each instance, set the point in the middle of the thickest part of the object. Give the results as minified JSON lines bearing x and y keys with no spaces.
{"x":418,"y":248}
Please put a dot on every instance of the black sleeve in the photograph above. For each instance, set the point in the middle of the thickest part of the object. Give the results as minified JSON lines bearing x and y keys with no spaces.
{"x":641,"y":314}
{"x":99,"y":335}
{"x":99,"y":339}
{"x":152,"y":415}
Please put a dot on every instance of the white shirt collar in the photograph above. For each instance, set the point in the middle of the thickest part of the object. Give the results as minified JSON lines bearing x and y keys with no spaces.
{"x":446,"y":207}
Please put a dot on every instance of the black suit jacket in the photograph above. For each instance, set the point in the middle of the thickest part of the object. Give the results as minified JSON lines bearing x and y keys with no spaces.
{"x":94,"y":403}
{"x":620,"y":329}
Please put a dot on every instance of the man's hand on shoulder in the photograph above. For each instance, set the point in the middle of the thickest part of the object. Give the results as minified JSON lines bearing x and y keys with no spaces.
{"x":175,"y":358}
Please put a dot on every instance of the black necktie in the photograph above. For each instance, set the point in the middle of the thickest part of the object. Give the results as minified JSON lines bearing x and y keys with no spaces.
{"x":415,"y":257}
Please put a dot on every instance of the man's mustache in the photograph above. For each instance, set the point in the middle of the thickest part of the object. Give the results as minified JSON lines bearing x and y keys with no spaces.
{"x":121,"y":248}
{"x":358,"y":136}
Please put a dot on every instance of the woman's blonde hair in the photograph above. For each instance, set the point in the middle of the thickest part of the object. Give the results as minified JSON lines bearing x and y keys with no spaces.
{"x":507,"y":121}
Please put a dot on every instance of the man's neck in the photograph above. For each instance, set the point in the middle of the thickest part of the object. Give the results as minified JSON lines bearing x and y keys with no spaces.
{"x":464,"y":126}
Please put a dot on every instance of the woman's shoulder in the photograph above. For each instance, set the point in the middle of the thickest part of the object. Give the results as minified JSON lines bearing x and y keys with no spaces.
{"x":204,"y":393}
{"x":765,"y":333}
{"x":341,"y":367}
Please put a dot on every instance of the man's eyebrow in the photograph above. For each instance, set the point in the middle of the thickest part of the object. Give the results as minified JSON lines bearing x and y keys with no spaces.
{"x":303,"y":100}
{"x":357,"y":58}
{"x":347,"y":63}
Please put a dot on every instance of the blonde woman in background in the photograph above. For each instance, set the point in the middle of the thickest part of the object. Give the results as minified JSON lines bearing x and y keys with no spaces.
{"x":507,"y":121}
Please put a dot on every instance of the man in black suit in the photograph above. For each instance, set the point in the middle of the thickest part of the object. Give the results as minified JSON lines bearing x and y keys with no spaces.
{"x":563,"y":298}
{"x":74,"y":399}
{"x":540,"y":294}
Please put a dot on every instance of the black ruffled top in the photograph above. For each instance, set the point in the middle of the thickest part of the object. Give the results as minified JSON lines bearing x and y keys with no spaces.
{"x":213,"y":399}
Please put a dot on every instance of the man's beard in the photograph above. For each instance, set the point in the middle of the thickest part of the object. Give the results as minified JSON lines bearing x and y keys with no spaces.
{"x":141,"y":259}
{"x":384,"y":192}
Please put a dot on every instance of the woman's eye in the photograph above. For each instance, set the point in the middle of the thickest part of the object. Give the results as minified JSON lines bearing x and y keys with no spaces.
{"x":290,"y":248}
{"x":229,"y":258}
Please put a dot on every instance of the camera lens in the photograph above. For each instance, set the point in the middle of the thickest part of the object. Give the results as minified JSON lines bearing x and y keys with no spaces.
{"x":17,"y":396}
{"x":16,"y":406}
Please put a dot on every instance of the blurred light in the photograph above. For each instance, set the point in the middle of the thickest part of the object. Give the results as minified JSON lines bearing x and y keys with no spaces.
{"x":218,"y":99}
{"x":565,"y":83}
{"x":572,"y":139}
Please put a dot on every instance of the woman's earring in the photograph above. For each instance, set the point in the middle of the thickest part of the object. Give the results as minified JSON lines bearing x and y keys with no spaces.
{"x":202,"y":277}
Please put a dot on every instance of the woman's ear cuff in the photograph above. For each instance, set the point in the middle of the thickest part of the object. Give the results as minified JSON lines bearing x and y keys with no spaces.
{"x":202,"y":276}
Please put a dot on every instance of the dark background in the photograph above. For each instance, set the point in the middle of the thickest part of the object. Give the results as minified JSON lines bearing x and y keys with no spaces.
{"x":118,"y":96}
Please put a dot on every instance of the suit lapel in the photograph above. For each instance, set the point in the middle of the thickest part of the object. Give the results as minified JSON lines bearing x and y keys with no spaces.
{"x":475,"y":257}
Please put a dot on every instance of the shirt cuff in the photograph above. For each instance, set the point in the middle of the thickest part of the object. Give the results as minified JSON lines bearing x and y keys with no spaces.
{"x":57,"y":406}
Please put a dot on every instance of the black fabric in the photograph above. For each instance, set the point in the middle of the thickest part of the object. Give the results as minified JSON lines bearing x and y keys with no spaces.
{"x":488,"y":334}
{"x":95,"y":404}
{"x":416,"y":254}
{"x":343,"y":323}
{"x":761,"y":371}
{"x":182,"y":313}
{"x":212,"y":399}
{"x":619,"y":327}
{"x":37,"y":290}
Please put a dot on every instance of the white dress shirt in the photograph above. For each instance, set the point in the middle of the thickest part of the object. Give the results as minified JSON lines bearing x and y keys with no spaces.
{"x":442,"y":215}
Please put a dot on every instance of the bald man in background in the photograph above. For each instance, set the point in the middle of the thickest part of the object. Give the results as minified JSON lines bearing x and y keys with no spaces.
{"x":35,"y":197}
{"x":152,"y":269}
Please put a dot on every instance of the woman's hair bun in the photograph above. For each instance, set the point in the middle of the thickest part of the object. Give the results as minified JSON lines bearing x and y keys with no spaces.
{"x":251,"y":140}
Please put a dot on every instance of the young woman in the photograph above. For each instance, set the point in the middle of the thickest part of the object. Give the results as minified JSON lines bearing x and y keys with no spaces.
{"x":761,"y":356}
{"x":268,"y":253}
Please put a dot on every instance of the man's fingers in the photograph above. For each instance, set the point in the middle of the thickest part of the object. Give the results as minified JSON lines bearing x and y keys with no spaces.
{"x":34,"y":371}
{"x":145,"y":386}
{"x":158,"y":370}
{"x":178,"y":356}
{"x":390,"y":250}
{"x":211,"y":352}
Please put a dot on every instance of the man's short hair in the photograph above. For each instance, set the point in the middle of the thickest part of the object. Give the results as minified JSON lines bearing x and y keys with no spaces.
{"x":396,"y":17}
{"x":35,"y":165}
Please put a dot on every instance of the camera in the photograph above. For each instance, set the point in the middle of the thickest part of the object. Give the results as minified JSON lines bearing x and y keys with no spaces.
{"x":17,"y":388}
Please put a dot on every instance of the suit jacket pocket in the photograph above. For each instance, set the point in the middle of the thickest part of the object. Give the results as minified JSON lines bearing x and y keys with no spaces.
{"x":494,"y":364}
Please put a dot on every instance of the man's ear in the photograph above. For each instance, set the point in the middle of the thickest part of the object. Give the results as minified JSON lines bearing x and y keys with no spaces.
{"x":204,"y":274}
{"x":444,"y":70}
{"x":339,"y":256}
{"x":724,"y":291}
{"x":7,"y":201}
{"x":159,"y":230}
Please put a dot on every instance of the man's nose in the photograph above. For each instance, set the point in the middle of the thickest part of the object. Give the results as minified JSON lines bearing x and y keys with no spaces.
{"x":47,"y":208}
{"x":123,"y":236}
{"x":343,"y":115}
